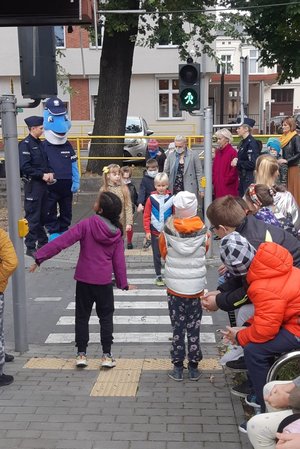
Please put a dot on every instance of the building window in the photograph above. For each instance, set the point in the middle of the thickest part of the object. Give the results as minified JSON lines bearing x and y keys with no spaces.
{"x":169,"y":30}
{"x":233,"y":95}
{"x":100,"y":34}
{"x":282,"y":95}
{"x":59,"y":32}
{"x":254,"y":65}
{"x":225,"y":63}
{"x":168,"y":98}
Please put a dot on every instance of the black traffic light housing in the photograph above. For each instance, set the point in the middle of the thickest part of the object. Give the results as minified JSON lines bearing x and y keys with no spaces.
{"x":189,"y":86}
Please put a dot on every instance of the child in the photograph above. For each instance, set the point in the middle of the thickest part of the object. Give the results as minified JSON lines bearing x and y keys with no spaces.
{"x":158,"y":209}
{"x":274,"y":149}
{"x":8,"y":264}
{"x":126,"y":173}
{"x":273,"y":288}
{"x":112,"y":183}
{"x":101,"y":253}
{"x":182,"y":245}
{"x":260,"y":201}
{"x":146,"y":187}
{"x":155,"y":152}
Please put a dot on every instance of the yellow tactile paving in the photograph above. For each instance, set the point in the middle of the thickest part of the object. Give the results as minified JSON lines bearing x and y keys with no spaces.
{"x":119,"y":376}
{"x":111,"y":389}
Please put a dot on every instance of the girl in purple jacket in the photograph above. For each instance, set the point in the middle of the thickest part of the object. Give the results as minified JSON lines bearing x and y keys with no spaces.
{"x":101,"y":253}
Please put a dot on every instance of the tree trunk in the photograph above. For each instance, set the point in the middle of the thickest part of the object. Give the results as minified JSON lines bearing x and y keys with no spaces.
{"x":113,"y":92}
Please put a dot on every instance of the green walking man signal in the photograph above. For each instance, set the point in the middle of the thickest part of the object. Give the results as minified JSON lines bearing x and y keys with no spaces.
{"x":189,"y":86}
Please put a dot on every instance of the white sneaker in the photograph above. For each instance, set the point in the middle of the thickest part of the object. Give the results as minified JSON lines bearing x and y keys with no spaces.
{"x":233,"y":354}
{"x":107,"y":361}
{"x":81,"y":360}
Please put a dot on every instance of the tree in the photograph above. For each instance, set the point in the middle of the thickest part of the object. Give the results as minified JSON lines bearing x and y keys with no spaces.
{"x":274,"y":30}
{"x":120,"y":36}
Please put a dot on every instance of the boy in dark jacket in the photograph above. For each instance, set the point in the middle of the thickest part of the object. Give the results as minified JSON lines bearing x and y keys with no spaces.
{"x":154,"y":151}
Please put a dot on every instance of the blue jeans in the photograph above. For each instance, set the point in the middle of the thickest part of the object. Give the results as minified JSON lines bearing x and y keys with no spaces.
{"x":259,"y":358}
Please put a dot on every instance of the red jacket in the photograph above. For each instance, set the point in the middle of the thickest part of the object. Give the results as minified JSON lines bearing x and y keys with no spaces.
{"x":274,"y":290}
{"x":224,"y":177}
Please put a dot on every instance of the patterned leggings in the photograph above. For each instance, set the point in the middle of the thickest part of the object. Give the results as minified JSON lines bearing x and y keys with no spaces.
{"x":185,"y":315}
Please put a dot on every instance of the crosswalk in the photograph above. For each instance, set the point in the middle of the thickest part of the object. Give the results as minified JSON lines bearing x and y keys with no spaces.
{"x":141,"y":316}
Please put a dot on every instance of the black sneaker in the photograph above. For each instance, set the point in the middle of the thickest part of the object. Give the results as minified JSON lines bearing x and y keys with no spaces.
{"x":147,"y":244}
{"x":8,"y":358}
{"x":5,"y":379}
{"x":176,"y":373}
{"x":242,"y":390}
{"x":243,"y":427}
{"x":129,"y":246}
{"x":237,"y":365}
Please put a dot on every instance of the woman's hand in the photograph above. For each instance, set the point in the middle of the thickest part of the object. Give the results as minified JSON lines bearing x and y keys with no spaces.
{"x":288,"y":440}
{"x":282,"y":161}
{"x":234,"y":162}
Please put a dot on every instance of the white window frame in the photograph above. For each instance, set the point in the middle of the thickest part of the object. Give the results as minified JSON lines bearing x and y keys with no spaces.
{"x":170,"y":91}
{"x":64,"y":30}
{"x":170,"y":44}
{"x":228,"y":65}
{"x":254,"y":59}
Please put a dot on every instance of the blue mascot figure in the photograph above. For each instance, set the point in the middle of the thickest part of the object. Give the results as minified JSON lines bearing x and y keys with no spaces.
{"x":63,"y":161}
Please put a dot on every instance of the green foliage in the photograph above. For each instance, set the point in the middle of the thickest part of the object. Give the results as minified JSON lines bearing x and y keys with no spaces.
{"x":62,"y":75}
{"x":274,"y":30}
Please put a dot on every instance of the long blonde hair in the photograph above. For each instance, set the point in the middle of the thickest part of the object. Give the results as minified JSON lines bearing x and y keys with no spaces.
{"x":115,"y":168}
{"x":266,"y":169}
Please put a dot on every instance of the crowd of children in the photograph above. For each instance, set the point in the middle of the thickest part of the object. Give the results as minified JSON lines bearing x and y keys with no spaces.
{"x":259,"y":248}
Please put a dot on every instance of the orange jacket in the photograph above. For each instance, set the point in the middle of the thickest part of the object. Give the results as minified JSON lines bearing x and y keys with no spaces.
{"x":274,"y":290}
{"x":8,"y":259}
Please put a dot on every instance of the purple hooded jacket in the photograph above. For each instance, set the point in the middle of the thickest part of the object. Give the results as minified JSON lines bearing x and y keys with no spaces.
{"x":101,"y":251}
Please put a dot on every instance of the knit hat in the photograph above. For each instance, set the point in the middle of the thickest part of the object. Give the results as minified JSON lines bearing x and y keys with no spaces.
{"x":185,"y":204}
{"x":153,"y":145}
{"x":236,"y":253}
{"x":274,"y":143}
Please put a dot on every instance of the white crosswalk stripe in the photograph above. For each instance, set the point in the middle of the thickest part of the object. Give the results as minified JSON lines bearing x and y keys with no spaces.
{"x":141,"y":316}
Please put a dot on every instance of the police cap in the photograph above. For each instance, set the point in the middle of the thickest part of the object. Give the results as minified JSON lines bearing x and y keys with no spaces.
{"x":247,"y":121}
{"x":55,"y":106}
{"x":34,"y":120}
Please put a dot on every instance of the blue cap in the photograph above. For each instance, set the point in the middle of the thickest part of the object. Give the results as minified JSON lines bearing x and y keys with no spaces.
{"x":55,"y":106}
{"x":274,"y":143}
{"x":247,"y":121}
{"x":34,"y":120}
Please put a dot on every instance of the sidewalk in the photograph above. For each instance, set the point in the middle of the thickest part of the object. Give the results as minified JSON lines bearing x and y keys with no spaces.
{"x":53,"y":405}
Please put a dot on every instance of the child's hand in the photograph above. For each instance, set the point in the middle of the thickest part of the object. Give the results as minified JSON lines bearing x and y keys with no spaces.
{"x":33,"y":267}
{"x":148,"y":235}
{"x":132,"y":287}
{"x":222,"y":270}
{"x":140,"y":208}
{"x":128,"y":228}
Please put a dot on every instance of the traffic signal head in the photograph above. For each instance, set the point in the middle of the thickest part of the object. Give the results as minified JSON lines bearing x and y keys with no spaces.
{"x":189,"y":87}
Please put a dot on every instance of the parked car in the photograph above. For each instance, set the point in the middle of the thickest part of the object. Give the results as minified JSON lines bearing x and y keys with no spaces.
{"x":135,"y":146}
{"x":276,"y":124}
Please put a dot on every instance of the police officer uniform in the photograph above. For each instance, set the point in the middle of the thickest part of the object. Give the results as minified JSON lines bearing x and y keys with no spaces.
{"x":33,"y":166}
{"x":60,"y":159}
{"x":248,"y":152}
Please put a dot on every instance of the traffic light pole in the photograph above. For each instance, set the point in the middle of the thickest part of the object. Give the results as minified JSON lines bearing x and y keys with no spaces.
{"x":208,"y":128}
{"x":13,"y":187}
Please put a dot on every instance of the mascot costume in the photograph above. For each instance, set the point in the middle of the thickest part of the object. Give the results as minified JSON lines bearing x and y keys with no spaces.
{"x":63,"y":162}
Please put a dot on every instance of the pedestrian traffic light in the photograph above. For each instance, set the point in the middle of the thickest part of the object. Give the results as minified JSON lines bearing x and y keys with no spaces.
{"x":189,"y":87}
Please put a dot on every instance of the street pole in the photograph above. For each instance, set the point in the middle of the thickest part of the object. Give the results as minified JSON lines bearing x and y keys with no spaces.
{"x":208,"y":127}
{"x":13,"y":187}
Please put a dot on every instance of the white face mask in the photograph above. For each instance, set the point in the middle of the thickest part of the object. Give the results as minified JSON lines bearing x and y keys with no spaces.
{"x":152,"y":173}
{"x":126,"y":180}
{"x":179,"y":150}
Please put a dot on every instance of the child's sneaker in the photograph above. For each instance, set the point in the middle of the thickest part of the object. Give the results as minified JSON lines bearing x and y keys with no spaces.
{"x":176,"y":373}
{"x":81,"y":360}
{"x":107,"y":361}
{"x":194,"y":373}
{"x":159,"y":281}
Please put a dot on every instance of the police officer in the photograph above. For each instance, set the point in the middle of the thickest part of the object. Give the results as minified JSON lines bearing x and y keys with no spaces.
{"x":36,"y":174}
{"x":248,"y":152}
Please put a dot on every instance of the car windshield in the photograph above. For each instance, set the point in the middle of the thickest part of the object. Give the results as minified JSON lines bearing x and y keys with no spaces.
{"x":133,"y":125}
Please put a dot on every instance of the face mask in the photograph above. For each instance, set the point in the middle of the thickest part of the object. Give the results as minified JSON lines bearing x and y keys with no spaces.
{"x":179,"y":150}
{"x":152,"y":174}
{"x":126,"y":181}
{"x":152,"y":154}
